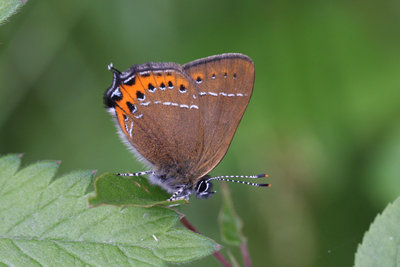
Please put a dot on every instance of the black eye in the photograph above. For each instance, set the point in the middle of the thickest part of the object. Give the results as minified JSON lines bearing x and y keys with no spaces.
{"x":202,"y":187}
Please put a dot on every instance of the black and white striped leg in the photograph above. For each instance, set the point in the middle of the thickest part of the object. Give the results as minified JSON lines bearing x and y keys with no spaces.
{"x":182,"y":193}
{"x":135,"y":174}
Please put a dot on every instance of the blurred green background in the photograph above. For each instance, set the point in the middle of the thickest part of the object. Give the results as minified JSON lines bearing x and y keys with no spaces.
{"x":324,"y":120}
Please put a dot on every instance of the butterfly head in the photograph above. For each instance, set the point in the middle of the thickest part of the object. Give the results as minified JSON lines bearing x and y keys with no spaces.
{"x":203,"y":188}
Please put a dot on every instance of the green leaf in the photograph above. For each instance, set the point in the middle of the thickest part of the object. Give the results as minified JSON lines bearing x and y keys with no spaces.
{"x":46,"y":221}
{"x":229,"y":223}
{"x":126,"y":191}
{"x":8,"y":7}
{"x":380,"y":245}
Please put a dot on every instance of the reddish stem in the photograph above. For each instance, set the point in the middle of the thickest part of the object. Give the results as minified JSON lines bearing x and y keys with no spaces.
{"x":216,"y":254}
{"x":245,"y":254}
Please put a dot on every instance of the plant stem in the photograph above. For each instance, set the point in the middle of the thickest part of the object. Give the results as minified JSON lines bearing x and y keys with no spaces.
{"x":216,"y":254}
{"x":245,"y":254}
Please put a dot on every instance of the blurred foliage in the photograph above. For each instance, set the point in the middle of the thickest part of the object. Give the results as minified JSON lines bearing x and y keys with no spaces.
{"x":324,"y":120}
{"x":230,"y":223}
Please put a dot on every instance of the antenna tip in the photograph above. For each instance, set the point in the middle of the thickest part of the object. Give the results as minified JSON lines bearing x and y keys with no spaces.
{"x":112,"y":69}
{"x":110,"y":66}
{"x":266,"y":175}
{"x":265,"y":185}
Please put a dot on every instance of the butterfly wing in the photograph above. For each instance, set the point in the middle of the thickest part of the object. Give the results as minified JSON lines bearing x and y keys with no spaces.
{"x":225,"y":84}
{"x":157,"y":109}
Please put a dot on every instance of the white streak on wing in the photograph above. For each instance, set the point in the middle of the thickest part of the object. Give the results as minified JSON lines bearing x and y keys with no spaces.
{"x":239,"y":94}
{"x":167,"y":103}
{"x":130,"y":78}
{"x":202,"y":93}
{"x":175,"y":104}
{"x":157,"y":102}
{"x":145,"y":103}
{"x":194,"y":106}
{"x":130,"y":130}
{"x":116,"y":92}
{"x":138,"y":116}
{"x":184,"y":106}
{"x":231,"y":94}
{"x":223,"y":94}
{"x":212,"y":93}
{"x":126,"y":128}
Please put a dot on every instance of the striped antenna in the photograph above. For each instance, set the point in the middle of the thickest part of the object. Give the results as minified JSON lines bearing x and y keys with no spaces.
{"x":227,"y":179}
{"x":135,"y":174}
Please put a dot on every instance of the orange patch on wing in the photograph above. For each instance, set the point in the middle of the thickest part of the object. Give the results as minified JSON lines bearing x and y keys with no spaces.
{"x":130,"y":92}
{"x":144,"y":83}
{"x":160,"y":81}
{"x":180,"y":81}
{"x":198,"y":76}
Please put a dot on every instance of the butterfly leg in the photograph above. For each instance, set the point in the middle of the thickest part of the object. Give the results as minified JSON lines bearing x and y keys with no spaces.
{"x":182,"y":193}
{"x":135,"y":174}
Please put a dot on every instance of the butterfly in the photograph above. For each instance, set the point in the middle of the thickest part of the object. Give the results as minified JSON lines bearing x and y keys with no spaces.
{"x":180,"y":119}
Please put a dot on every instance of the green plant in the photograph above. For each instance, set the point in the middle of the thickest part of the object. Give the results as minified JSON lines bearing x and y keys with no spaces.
{"x":112,"y":220}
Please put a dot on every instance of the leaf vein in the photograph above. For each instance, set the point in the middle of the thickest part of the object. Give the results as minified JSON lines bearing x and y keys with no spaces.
{"x":136,"y":259}
{"x":66,"y":219}
{"x":73,"y":255}
{"x":83,"y":231}
{"x":24,"y":253}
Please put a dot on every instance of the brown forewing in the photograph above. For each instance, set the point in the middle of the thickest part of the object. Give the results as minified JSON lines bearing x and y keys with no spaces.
{"x":168,"y":135}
